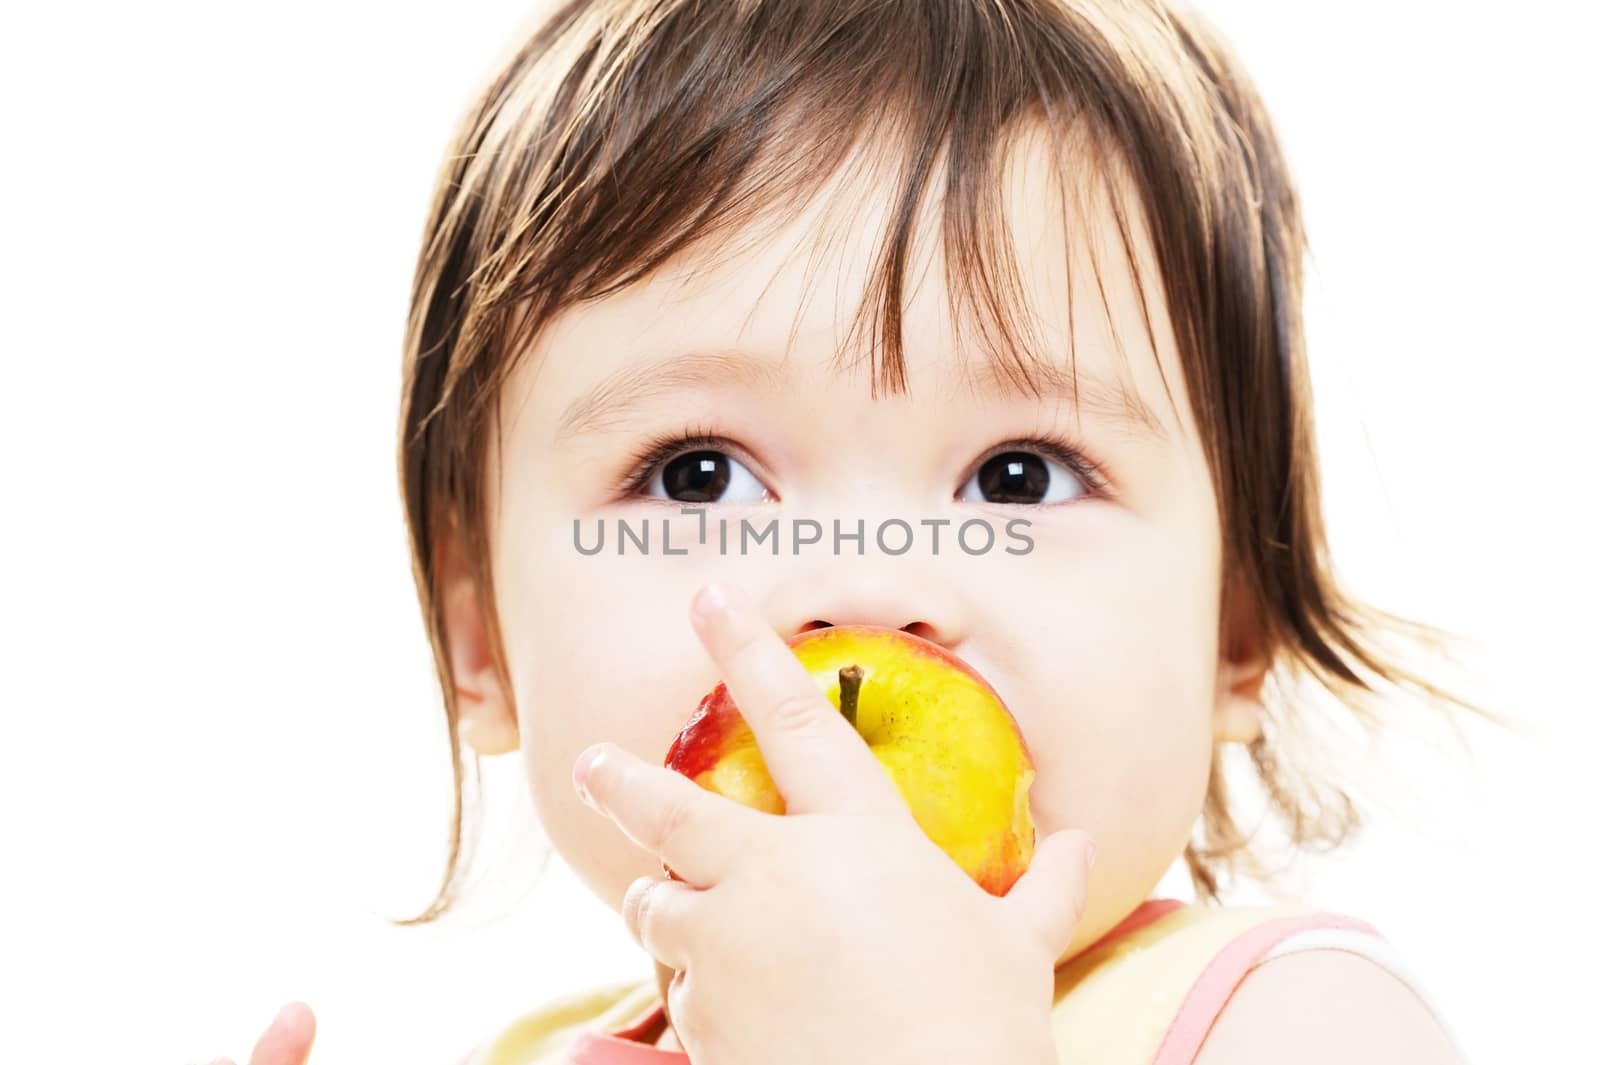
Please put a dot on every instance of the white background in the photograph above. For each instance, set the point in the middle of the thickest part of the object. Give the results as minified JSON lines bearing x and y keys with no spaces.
{"x":224,"y":754}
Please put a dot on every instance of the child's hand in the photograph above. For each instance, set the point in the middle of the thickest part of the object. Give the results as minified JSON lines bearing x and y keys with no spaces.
{"x":287,"y":1040}
{"x":840,"y":932}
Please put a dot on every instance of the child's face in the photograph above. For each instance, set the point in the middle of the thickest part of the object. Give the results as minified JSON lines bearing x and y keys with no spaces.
{"x":1102,"y":639}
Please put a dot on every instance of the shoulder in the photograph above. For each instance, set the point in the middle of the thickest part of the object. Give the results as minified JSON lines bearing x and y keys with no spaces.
{"x":1236,"y":985}
{"x":1326,"y":1005}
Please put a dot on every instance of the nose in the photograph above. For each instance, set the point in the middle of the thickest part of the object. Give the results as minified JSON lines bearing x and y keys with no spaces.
{"x":913,"y":601}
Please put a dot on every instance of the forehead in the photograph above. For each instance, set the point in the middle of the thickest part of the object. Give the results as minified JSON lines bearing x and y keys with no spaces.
{"x":789,"y":299}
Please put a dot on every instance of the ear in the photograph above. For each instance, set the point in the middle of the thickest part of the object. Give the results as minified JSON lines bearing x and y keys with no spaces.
{"x":1242,"y":668}
{"x":486,"y":718}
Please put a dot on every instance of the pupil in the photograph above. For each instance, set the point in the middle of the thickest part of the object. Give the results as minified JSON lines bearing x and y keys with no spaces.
{"x":701,"y":475}
{"x":1015,"y":474}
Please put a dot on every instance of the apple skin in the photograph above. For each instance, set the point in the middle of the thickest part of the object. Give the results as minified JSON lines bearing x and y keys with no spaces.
{"x":940,"y":731}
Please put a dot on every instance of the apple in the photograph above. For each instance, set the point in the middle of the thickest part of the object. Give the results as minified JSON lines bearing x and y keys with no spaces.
{"x":943,"y":735}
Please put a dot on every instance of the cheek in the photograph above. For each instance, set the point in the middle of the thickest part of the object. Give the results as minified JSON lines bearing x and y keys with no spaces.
{"x":1129,"y":740}
{"x":1122,"y":733}
{"x":599,"y":649}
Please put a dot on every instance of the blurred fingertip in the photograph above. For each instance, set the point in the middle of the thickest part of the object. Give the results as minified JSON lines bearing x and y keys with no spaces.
{"x":296,"y":1014}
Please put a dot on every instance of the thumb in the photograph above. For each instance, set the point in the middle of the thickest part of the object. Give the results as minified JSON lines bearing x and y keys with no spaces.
{"x":1050,"y":895}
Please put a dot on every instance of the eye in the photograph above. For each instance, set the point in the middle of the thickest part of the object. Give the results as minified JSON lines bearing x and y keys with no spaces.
{"x":693,"y":469}
{"x":706,"y":476}
{"x":1028,"y":477}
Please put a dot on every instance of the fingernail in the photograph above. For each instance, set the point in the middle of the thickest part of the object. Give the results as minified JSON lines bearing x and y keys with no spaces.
{"x":712,"y":600}
{"x":1090,"y":855}
{"x":580,"y":771}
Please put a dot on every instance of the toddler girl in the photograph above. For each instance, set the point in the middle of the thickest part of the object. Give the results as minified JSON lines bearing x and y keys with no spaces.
{"x":795,"y":308}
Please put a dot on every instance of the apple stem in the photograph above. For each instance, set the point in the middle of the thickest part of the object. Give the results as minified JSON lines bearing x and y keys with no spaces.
{"x":849,"y":690}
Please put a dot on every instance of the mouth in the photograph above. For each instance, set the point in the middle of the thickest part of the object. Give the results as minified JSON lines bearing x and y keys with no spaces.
{"x":936,"y":725}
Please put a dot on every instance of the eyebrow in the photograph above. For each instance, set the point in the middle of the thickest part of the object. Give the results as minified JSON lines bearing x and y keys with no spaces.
{"x":1106,"y":400}
{"x":633,"y":386}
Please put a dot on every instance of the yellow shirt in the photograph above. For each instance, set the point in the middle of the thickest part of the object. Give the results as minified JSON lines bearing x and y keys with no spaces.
{"x":1146,"y":993}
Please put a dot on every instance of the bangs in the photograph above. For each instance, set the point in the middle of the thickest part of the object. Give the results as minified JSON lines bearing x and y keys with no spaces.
{"x":672,"y":132}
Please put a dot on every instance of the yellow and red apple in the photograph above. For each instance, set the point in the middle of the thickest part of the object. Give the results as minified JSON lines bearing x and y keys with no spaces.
{"x":940,"y":731}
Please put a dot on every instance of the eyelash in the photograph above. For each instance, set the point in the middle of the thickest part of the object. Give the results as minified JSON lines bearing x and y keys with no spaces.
{"x":696,"y":437}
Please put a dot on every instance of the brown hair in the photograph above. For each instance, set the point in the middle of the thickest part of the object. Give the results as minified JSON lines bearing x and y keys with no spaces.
{"x":623,"y":131}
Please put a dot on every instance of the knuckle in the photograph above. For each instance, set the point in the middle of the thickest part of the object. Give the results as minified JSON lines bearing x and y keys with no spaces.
{"x":795,"y":711}
{"x":676,"y":824}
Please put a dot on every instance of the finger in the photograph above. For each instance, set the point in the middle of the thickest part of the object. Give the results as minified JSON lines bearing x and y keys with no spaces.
{"x":698,"y":833}
{"x":661,"y":916}
{"x":1050,"y":896}
{"x":287,"y":1040}
{"x":818,"y":762}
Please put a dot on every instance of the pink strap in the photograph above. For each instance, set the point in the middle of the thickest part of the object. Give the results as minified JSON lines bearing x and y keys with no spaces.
{"x":1217,"y":981}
